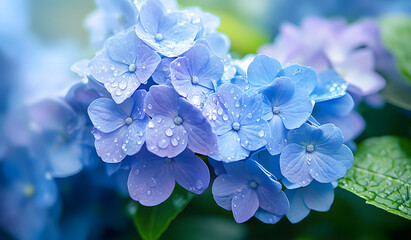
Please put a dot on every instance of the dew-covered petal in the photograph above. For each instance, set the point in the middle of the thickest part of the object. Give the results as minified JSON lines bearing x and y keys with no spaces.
{"x":105,"y":115}
{"x":224,"y":187}
{"x":104,"y":69}
{"x":151,"y":180}
{"x":272,"y":200}
{"x":229,"y":148}
{"x":146,"y":63}
{"x":318,"y":196}
{"x":294,"y":164}
{"x":108,"y":145}
{"x":138,"y":98}
{"x":278,"y":135}
{"x":298,"y":210}
{"x":134,"y":137}
{"x":162,"y":100}
{"x":162,"y":74}
{"x":197,"y":57}
{"x":262,"y":70}
{"x":296,"y":111}
{"x":211,"y":72}
{"x":253,"y":135}
{"x":201,"y":138}
{"x":191,"y":172}
{"x":267,"y":217}
{"x":164,"y":138}
{"x":303,"y":77}
{"x":244,"y":204}
{"x":330,"y":85}
{"x":279,"y":92}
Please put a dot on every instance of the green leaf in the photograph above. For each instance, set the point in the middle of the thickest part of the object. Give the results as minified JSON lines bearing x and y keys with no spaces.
{"x":381,"y":174}
{"x":396,"y":34}
{"x":151,"y":222}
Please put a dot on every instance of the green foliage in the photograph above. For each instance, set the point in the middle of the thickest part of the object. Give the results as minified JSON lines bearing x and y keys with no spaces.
{"x":381,"y":174}
{"x":396,"y":34}
{"x":151,"y":222}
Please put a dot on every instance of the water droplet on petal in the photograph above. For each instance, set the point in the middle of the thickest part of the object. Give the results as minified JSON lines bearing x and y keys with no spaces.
{"x":163,"y":143}
{"x":169,"y":132}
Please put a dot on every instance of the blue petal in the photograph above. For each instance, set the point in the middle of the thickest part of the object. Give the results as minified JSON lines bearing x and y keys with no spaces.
{"x":118,"y":47}
{"x":191,"y":172}
{"x":294,"y":165}
{"x":151,"y":180}
{"x":108,"y":145}
{"x":162,"y":100}
{"x":106,"y":115}
{"x":164,"y":138}
{"x":318,"y":196}
{"x":262,"y":70}
{"x":135,"y":137}
{"x":278,"y":136}
{"x":229,"y":148}
{"x":137,"y":111}
{"x":330,"y":85}
{"x":296,"y":111}
{"x":270,"y":162}
{"x":272,"y":200}
{"x":224,"y":187}
{"x":303,"y":77}
{"x":65,"y":161}
{"x":279,"y":92}
{"x":298,"y":210}
{"x":201,"y":138}
{"x":327,"y":167}
{"x":244,"y":204}
{"x":267,"y":217}
{"x":304,"y":135}
{"x":151,"y":13}
{"x":218,"y":166}
{"x":339,"y":107}
{"x":162,"y":74}
{"x":331,"y":140}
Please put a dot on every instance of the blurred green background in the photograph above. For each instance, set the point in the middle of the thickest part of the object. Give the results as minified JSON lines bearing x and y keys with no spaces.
{"x":245,"y":22}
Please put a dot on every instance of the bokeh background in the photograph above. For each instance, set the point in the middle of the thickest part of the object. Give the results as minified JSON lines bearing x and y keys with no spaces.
{"x":58,"y":38}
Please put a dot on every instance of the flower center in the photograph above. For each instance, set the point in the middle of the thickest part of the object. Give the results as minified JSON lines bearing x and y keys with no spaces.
{"x":29,"y":190}
{"x":310,"y":148}
{"x":159,"y":37}
{"x":253,"y":184}
{"x":129,"y":121}
{"x":236,"y":126}
{"x":178,"y":120}
{"x":132,"y":68}
{"x":194,"y":80}
{"x":276,"y":110}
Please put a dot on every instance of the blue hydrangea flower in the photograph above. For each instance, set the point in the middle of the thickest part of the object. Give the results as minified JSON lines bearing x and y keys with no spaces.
{"x":316,"y":196}
{"x":169,"y":33}
{"x":288,"y":108}
{"x":123,"y":65}
{"x":119,"y":129}
{"x":176,"y":124}
{"x":315,"y":153}
{"x":248,"y":190}
{"x":263,"y":70}
{"x":329,"y":86}
{"x":152,"y":178}
{"x":237,"y":120}
{"x":194,"y":75}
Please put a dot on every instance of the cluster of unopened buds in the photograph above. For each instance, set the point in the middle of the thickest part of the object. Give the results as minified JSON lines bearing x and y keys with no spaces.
{"x":164,"y":91}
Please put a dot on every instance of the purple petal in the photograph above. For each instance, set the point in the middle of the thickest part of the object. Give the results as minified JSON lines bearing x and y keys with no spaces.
{"x":108,"y":145}
{"x":151,"y":180}
{"x":118,"y":47}
{"x":224,"y":187}
{"x":244,"y":204}
{"x":191,"y":172}
{"x":162,"y":100}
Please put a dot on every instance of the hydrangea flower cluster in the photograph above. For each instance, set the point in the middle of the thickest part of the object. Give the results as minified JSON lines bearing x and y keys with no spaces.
{"x":164,"y":90}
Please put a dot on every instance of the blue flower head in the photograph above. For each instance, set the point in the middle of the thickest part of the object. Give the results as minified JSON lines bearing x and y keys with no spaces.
{"x":168,"y":33}
{"x":176,"y":125}
{"x":119,"y":129}
{"x":287,"y":107}
{"x":194,"y":75}
{"x":315,"y":153}
{"x":152,"y":178}
{"x":237,"y":120}
{"x":123,"y":65}
{"x":249,"y":190}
